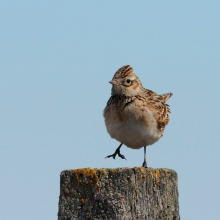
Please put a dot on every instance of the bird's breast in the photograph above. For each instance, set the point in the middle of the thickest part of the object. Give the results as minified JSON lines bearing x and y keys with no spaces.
{"x":134,"y":126}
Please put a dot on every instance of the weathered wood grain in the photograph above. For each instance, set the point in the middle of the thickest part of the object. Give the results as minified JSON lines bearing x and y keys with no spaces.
{"x":122,"y":193}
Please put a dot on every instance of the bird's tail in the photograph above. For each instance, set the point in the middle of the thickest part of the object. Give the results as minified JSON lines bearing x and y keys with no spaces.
{"x":167,"y":96}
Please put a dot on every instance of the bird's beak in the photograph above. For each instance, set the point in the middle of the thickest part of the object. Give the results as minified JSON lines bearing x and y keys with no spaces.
{"x":115,"y":83}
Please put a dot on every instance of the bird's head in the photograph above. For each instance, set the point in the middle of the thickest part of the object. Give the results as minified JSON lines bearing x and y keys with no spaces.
{"x":125,"y":82}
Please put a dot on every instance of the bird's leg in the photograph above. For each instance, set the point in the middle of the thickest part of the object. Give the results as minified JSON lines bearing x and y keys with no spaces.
{"x":117,"y":152}
{"x":145,"y":161}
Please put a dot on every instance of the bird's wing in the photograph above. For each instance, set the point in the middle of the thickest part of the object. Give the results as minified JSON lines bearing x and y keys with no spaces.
{"x":157,"y":104}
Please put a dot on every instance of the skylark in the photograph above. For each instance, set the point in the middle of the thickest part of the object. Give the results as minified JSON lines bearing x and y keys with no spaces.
{"x":134,"y":116}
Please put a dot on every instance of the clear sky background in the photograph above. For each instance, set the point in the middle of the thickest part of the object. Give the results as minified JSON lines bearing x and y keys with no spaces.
{"x":56,"y":59}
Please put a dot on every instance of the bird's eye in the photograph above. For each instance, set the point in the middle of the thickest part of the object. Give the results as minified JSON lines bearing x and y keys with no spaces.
{"x":128,"y":81}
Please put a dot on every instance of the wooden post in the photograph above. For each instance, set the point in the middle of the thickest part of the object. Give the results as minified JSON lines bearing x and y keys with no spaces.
{"x":122,"y":193}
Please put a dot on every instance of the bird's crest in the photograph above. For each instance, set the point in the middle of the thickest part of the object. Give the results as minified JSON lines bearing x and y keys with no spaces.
{"x":123,"y":72}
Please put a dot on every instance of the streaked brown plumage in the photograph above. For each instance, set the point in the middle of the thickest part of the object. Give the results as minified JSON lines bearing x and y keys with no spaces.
{"x":135,"y":116}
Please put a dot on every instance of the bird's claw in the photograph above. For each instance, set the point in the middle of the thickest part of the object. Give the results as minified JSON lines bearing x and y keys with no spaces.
{"x":113,"y":155}
{"x":117,"y":152}
{"x":144,"y":164}
{"x":122,"y":156}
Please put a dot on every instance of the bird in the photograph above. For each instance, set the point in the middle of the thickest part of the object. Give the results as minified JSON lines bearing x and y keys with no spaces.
{"x":134,"y":116}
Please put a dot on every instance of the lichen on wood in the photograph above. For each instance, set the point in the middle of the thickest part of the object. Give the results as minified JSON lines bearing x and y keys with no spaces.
{"x":122,"y":193}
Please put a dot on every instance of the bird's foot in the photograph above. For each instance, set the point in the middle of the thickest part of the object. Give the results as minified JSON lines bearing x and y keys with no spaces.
{"x":117,"y":152}
{"x":144,"y":164}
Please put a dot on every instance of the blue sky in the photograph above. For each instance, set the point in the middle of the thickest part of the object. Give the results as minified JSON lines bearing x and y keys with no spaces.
{"x":56,"y":60}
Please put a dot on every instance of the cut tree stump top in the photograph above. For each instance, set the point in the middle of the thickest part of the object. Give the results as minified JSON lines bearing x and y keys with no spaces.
{"x":122,"y":193}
